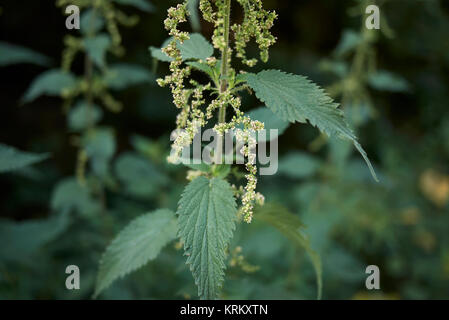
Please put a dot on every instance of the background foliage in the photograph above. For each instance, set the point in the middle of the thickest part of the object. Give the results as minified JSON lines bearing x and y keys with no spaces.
{"x":397,"y":101}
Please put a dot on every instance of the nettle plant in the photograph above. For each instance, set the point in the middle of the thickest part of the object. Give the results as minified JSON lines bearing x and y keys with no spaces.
{"x":86,"y":96}
{"x":354,"y":63}
{"x":210,"y":206}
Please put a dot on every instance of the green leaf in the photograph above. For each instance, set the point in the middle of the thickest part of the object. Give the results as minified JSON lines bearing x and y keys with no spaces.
{"x":69,"y":195}
{"x":158,"y":54}
{"x":122,"y":76}
{"x":96,"y":48}
{"x":139,"y":4}
{"x":299,"y":165}
{"x":197,"y":47}
{"x":51,"y":83}
{"x":202,"y":66}
{"x":296,"y":98}
{"x":338,"y":68}
{"x":139,"y":175}
{"x":339,"y":151}
{"x":151,"y":149}
{"x":100,"y":146}
{"x":13,"y":54}
{"x":82,"y":115}
{"x":91,"y":22}
{"x":21,"y":240}
{"x":138,"y":243}
{"x":292,"y":228}
{"x":192,"y":6}
{"x":358,"y":112}
{"x":270,"y":120}
{"x":387,"y":81}
{"x":207,"y":213}
{"x":13,"y":159}
{"x":100,"y":143}
{"x":349,"y":41}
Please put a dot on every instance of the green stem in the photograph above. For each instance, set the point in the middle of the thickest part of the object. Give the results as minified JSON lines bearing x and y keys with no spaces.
{"x":224,"y":74}
{"x":225,"y":59}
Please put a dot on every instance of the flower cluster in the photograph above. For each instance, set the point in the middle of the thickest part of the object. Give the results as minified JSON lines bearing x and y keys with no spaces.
{"x":188,"y":100}
{"x":189,"y":96}
{"x":102,"y":9}
{"x":257,"y":24}
{"x":238,"y":260}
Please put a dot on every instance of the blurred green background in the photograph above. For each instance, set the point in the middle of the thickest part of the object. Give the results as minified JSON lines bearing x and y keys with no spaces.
{"x":397,"y":102}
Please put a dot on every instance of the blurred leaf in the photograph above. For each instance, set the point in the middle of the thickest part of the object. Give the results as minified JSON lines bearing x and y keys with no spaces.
{"x":207,"y":213}
{"x":12,"y":159}
{"x":143,"y":5}
{"x":342,"y":264}
{"x":21,"y":240}
{"x":138,"y":243}
{"x":51,"y":82}
{"x":82,"y":115}
{"x":299,"y":165}
{"x":100,"y":143}
{"x":91,"y":22}
{"x":339,"y":151}
{"x":69,"y":195}
{"x":139,"y":175}
{"x":304,"y":194}
{"x":291,"y":227}
{"x":192,"y":6}
{"x":13,"y":54}
{"x":336,"y":67}
{"x":153,"y":150}
{"x":358,"y":113}
{"x":96,"y":48}
{"x":100,"y":147}
{"x":158,"y":54}
{"x":197,"y":47}
{"x":122,"y":76}
{"x":295,"y":98}
{"x":355,"y":171}
{"x":30,"y":173}
{"x":387,"y":81}
{"x":349,"y":41}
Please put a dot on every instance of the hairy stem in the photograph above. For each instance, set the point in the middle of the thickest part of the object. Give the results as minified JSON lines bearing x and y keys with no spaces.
{"x":224,"y":75}
{"x":87,"y":76}
{"x":225,"y":59}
